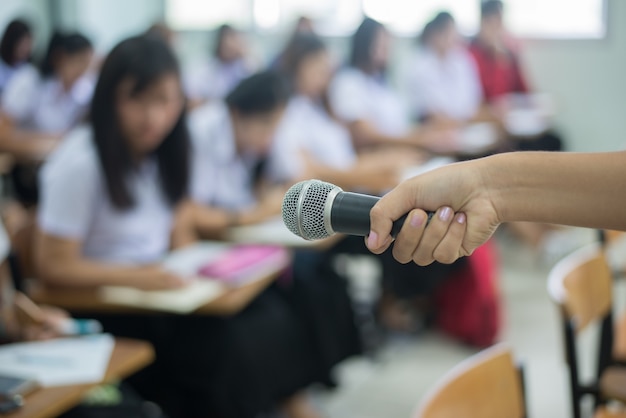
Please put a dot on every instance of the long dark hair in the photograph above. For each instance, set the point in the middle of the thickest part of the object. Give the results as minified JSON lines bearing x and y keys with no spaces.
{"x":301,"y":46}
{"x":362,"y":41}
{"x":63,"y":43}
{"x":13,"y":34}
{"x":142,"y":60}
{"x":222,"y":32}
{"x":435,"y":26}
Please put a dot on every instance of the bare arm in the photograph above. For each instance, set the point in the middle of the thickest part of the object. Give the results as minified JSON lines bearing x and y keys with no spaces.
{"x":587,"y":190}
{"x":60,"y":261}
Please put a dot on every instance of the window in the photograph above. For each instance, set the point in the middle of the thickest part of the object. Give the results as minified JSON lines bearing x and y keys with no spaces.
{"x":561,"y":19}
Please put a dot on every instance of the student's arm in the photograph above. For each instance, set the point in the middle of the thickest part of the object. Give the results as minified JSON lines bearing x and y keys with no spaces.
{"x":587,"y":190}
{"x":60,"y":261}
{"x":28,"y":145}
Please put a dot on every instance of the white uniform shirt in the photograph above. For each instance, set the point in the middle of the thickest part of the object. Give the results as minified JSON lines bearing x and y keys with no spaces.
{"x":355,"y":95}
{"x":75,"y":205}
{"x":43,"y":104}
{"x":450,"y":86}
{"x":221,"y":177}
{"x":214,"y":79}
{"x":306,"y":126}
{"x":6,"y":73}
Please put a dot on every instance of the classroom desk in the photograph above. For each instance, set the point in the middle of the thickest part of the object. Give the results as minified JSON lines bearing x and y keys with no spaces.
{"x":89,"y":300}
{"x":128,"y":357}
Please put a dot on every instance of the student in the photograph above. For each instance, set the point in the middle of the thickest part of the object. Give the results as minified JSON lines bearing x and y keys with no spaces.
{"x":473,"y":198}
{"x":16,"y":48}
{"x":361,"y":96}
{"x":52,"y":99}
{"x":442,"y":79}
{"x":215,"y":78}
{"x":500,"y":71}
{"x":231,"y":141}
{"x":311,"y":142}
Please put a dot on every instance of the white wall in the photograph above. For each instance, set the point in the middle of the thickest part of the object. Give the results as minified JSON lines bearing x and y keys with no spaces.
{"x":588,"y":80}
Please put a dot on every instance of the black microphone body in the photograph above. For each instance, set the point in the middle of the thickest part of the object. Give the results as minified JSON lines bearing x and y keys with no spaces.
{"x":350,"y":214}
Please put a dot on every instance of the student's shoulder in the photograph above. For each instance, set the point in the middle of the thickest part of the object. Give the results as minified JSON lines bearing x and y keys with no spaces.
{"x":76,"y":155}
{"x":206,"y":118}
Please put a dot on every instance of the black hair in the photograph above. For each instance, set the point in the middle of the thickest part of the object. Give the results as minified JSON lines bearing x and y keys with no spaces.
{"x":362,"y":41}
{"x":63,"y":43}
{"x":260,"y":93}
{"x":142,"y":60}
{"x":222,"y":32}
{"x":300,"y":47}
{"x":13,"y":34}
{"x":491,"y":8}
{"x":436,"y":25}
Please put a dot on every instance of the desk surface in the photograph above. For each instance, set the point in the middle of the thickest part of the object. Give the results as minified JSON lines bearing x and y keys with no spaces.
{"x":128,"y":357}
{"x":89,"y":299}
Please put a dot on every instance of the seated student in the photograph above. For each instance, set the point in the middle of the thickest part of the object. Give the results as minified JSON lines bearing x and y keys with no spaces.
{"x":16,"y":48}
{"x":361,"y":96}
{"x":311,"y":142}
{"x":216,"y":77}
{"x":500,"y":70}
{"x":109,"y":194}
{"x":43,"y":105}
{"x":442,"y":78}
{"x":231,"y":141}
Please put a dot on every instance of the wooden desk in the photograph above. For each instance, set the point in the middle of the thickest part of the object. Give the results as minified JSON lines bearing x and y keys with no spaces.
{"x":88,"y":300}
{"x":128,"y":357}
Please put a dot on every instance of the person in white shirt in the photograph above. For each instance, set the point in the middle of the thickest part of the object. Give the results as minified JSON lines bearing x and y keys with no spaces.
{"x":43,"y":104}
{"x":16,"y":48}
{"x":215,"y":78}
{"x":442,"y":79}
{"x":109,"y":196}
{"x":361,"y":96}
{"x":231,"y":141}
{"x":311,"y":142}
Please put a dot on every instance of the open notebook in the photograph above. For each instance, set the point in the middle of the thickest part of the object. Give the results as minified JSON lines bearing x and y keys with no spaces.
{"x":212,"y":269}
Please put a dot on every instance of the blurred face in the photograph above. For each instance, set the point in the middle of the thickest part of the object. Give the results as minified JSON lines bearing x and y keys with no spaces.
{"x":146,"y":118}
{"x":23,"y":49}
{"x":314,"y":74}
{"x":492,"y":30}
{"x":447,"y":38}
{"x":232,"y":47}
{"x":380,"y":49}
{"x":70,"y":67}
{"x":254,"y":133}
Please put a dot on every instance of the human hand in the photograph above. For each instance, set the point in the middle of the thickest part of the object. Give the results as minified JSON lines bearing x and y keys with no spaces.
{"x":465,"y":216}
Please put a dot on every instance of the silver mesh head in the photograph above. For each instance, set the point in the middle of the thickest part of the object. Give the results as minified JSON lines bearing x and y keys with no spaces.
{"x":304,"y":208}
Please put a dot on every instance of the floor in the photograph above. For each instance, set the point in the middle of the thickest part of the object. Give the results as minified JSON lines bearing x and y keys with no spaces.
{"x":393,"y":384}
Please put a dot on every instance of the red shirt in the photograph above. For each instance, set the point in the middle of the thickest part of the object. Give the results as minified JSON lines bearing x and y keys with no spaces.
{"x":499,"y":73}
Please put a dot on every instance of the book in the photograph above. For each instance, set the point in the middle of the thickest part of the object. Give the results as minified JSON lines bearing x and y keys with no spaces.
{"x":244,"y":264}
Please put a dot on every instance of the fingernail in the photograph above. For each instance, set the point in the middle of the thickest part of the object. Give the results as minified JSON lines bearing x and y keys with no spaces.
{"x":445,"y":214}
{"x":417,"y":221}
{"x":372,"y":240}
{"x":460,"y":218}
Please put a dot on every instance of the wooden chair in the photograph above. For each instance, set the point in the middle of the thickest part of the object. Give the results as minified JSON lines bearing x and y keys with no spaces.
{"x":487,"y":385}
{"x":581,"y":284}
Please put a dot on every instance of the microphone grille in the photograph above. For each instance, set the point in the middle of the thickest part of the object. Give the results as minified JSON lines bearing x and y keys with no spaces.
{"x":303,"y":208}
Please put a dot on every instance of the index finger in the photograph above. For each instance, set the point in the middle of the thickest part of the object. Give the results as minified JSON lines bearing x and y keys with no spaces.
{"x":391,"y":207}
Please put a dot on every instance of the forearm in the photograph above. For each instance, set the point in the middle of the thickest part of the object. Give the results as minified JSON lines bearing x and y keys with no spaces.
{"x":566,"y":188}
{"x":87,"y":273}
{"x":28,"y":145}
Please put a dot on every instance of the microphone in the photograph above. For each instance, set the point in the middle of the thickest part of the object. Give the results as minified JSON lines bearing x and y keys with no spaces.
{"x":314,"y":209}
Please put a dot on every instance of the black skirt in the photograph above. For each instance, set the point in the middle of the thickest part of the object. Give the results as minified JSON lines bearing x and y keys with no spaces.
{"x":235,"y":367}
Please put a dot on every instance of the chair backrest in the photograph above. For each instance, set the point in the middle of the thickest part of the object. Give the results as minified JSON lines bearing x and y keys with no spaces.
{"x":487,"y":385}
{"x":581,"y":284}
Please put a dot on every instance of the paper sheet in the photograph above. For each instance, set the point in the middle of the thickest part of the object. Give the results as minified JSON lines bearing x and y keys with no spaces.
{"x":65,"y":361}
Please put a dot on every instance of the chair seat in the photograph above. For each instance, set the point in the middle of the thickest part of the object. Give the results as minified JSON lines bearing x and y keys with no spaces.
{"x":613,"y":383}
{"x":605,"y":413}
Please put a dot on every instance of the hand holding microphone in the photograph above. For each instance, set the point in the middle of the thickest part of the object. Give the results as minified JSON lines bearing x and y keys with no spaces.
{"x":314,"y":209}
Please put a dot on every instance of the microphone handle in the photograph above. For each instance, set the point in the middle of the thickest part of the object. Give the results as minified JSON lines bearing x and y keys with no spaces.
{"x":350,"y":214}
